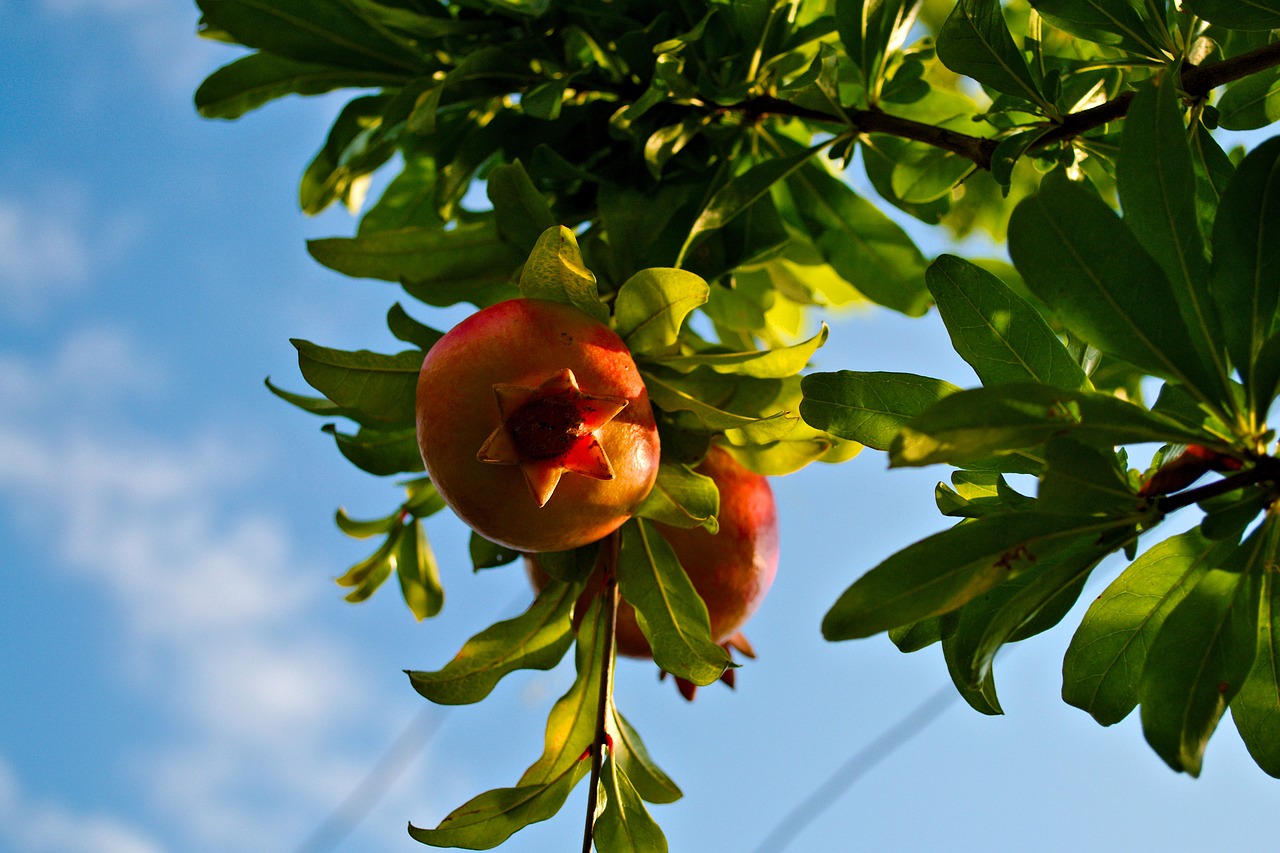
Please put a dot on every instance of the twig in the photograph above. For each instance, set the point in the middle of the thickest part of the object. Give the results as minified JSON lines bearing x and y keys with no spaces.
{"x":1266,"y":470}
{"x":609,"y":560}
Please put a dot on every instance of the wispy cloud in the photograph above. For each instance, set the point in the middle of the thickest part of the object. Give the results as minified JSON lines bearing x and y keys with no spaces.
{"x":217,"y":605}
{"x":31,"y":825}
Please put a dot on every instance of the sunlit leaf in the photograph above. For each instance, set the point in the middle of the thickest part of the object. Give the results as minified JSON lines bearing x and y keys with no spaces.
{"x":630,"y":753}
{"x":683,"y":498}
{"x":975,"y":41}
{"x":651,"y":307}
{"x":381,"y":387}
{"x":625,"y":825}
{"x":418,"y":573}
{"x":762,"y":364}
{"x":869,"y":408}
{"x":555,"y":271}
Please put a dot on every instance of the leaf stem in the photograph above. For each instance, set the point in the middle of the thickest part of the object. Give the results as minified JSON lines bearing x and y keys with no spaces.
{"x":608,"y":564}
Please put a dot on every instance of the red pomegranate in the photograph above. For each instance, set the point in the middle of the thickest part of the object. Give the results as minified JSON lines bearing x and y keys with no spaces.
{"x":535,"y":426}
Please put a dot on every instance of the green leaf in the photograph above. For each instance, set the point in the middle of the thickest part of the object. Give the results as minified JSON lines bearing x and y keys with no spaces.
{"x":1085,"y":480}
{"x":468,"y":263}
{"x":410,"y":330}
{"x":489,"y":555}
{"x":521,"y":210}
{"x":983,"y":422}
{"x":1001,"y":336}
{"x":782,"y":457}
{"x":381,"y":452}
{"x":1246,"y":255}
{"x":363,"y":529}
{"x":1256,"y":708}
{"x":418,"y":573}
{"x":1077,"y":256}
{"x":536,"y":639}
{"x":313,"y":405}
{"x":625,"y":825}
{"x":1252,"y":102}
{"x":485,"y":821}
{"x":975,"y":41}
{"x":867,"y":248}
{"x":258,"y":78}
{"x":355,"y":147}
{"x":1237,"y":14}
{"x":1111,"y":22}
{"x":1157,"y":188}
{"x":666,"y":391}
{"x":762,"y":364}
{"x":946,"y":570}
{"x":869,"y":408}
{"x":743,"y":191}
{"x":1199,"y":661}
{"x":670,"y":613}
{"x":409,"y":201}
{"x":328,"y":32}
{"x":381,"y":387}
{"x":682,"y":497}
{"x":980,"y":696}
{"x":571,"y":726}
{"x":871,"y":30}
{"x":366,"y":576}
{"x":651,"y":306}
{"x":555,"y":272}
{"x":630,"y":753}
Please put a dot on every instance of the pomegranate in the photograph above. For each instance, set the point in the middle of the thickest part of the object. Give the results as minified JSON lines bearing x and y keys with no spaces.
{"x":731,"y":570}
{"x":535,"y":426}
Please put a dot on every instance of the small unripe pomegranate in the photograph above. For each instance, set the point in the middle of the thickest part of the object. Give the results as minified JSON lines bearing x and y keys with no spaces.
{"x":535,"y":427}
{"x":731,"y":570}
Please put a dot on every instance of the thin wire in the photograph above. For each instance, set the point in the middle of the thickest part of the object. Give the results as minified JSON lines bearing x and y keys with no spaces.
{"x":382,"y":776}
{"x":857,"y":766}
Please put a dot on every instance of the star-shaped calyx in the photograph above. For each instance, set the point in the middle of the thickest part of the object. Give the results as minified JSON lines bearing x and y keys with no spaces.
{"x":549,"y":430}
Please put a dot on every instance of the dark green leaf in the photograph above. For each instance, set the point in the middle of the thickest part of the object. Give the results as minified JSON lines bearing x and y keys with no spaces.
{"x":975,"y":41}
{"x":1200,"y":659}
{"x":314,"y":405}
{"x":867,"y":248}
{"x":948,"y":569}
{"x":409,"y":201}
{"x":1000,"y":335}
{"x":1237,"y":14}
{"x":670,"y":613}
{"x":917,"y":635}
{"x":572,"y":566}
{"x":984,"y":422}
{"x":410,"y":330}
{"x":1252,"y":102}
{"x":981,"y":697}
{"x":536,"y":639}
{"x":489,"y":819}
{"x":1112,"y":22}
{"x":380,"y":387}
{"x":320,"y":31}
{"x":1102,"y":670}
{"x":872,"y":29}
{"x":630,"y":753}
{"x":1077,"y":256}
{"x":682,"y":497}
{"x":489,"y":555}
{"x":625,"y":825}
{"x":418,"y":573}
{"x":1085,"y":480}
{"x":743,"y":191}
{"x":354,"y":148}
{"x":468,"y":263}
{"x":521,"y":210}
{"x":1256,"y":708}
{"x":1246,"y":257}
{"x":253,"y":80}
{"x":651,"y":307}
{"x":555,"y":272}
{"x":869,"y":408}
{"x":378,"y":451}
{"x":1156,"y":181}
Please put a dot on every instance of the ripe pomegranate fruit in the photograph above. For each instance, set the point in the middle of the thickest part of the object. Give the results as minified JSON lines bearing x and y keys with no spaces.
{"x":535,"y":426}
{"x":731,"y":570}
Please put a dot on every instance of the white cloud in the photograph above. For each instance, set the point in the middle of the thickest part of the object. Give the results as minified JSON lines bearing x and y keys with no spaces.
{"x":216,"y":609}
{"x":30,"y":825}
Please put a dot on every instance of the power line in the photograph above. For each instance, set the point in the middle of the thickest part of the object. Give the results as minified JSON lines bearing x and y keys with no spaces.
{"x":382,"y":776}
{"x":855,"y":767}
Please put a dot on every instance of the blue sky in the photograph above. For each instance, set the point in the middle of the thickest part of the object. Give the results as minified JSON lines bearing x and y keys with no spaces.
{"x":178,"y":671}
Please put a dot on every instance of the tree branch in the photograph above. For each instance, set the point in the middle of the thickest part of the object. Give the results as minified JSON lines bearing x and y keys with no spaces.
{"x":1267,"y":470}
{"x":1197,"y":81}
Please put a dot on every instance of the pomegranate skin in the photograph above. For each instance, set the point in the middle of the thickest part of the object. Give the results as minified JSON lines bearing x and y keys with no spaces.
{"x":731,"y":570}
{"x":524,"y":343}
